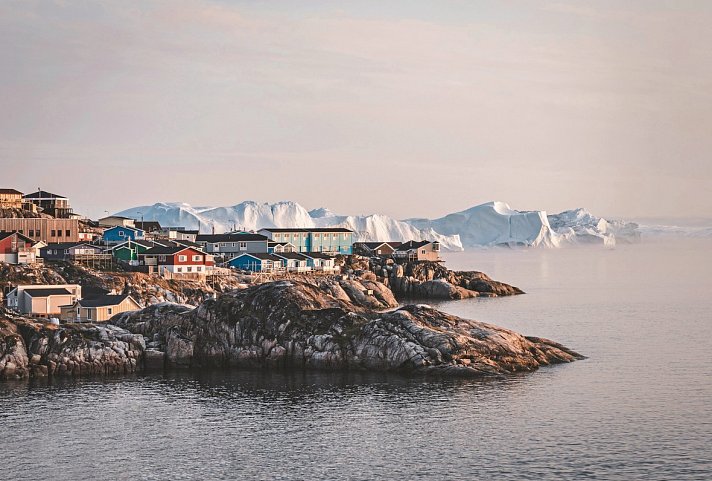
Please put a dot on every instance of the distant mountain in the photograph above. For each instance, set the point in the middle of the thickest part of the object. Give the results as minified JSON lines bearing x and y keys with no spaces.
{"x":254,"y":216}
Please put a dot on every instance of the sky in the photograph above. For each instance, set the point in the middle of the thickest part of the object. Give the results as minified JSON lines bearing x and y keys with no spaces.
{"x":407,"y":108}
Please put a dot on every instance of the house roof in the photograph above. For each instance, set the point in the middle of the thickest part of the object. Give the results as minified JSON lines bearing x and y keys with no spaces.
{"x":43,"y":194}
{"x":69,"y":245}
{"x":5,"y":235}
{"x":149,"y":225}
{"x":116,"y":217}
{"x":123,"y":227}
{"x":188,"y":231}
{"x":375,"y":245}
{"x":164,"y":251}
{"x":141,"y":242}
{"x":273,"y":243}
{"x":309,"y":229}
{"x":406,"y":246}
{"x":104,"y":301}
{"x":46,"y":292}
{"x":10,"y":191}
{"x":317,"y":255}
{"x":230,"y":237}
{"x":186,"y":243}
{"x":290,"y":255}
{"x":259,"y":255}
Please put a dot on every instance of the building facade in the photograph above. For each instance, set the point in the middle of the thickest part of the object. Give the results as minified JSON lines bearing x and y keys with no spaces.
{"x":43,"y":229}
{"x":16,"y":248}
{"x":10,"y":199}
{"x":43,"y":300}
{"x":67,"y":251}
{"x":335,"y":240}
{"x":121,"y":234}
{"x":230,"y":245}
{"x":52,"y":204}
{"x":178,"y":261}
{"x":99,"y":309}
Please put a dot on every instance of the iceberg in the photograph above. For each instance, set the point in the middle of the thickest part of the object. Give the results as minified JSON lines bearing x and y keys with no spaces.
{"x":252,"y":216}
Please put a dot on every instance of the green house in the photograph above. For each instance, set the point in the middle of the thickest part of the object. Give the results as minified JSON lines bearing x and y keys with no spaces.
{"x":129,"y":251}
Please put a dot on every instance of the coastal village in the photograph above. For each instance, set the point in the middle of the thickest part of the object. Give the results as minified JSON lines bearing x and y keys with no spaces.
{"x":42,"y":229}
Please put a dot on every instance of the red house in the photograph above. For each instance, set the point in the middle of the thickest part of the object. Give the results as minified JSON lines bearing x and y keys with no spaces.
{"x":178,"y":261}
{"x":16,"y":248}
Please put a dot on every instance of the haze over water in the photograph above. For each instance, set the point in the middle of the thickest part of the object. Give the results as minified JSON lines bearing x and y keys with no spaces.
{"x":637,"y":408}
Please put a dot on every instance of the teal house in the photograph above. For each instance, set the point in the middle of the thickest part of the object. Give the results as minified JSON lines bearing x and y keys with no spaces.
{"x":333,"y":240}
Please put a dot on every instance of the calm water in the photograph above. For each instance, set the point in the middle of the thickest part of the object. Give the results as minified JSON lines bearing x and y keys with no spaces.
{"x":639,"y":408}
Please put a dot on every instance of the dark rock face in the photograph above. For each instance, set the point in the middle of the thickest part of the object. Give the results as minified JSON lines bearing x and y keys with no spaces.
{"x":296,"y":324}
{"x":323,"y":324}
{"x":32,"y":348}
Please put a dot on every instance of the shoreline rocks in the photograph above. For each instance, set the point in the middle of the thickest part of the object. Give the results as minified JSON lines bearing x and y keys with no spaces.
{"x":321,"y":324}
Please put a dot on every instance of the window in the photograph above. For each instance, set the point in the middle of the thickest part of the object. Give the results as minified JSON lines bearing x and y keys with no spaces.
{"x":200,"y":268}
{"x":59,"y":233}
{"x":32,"y":233}
{"x":180,"y":269}
{"x":317,"y":235}
{"x":79,"y":311}
{"x":121,"y":233}
{"x":89,"y":314}
{"x":422,"y":251}
{"x":197,"y":258}
{"x":182,"y":258}
{"x":189,"y":269}
{"x":68,"y":233}
{"x":110,"y":310}
{"x":39,"y":234}
{"x":277,"y":236}
{"x":346,"y":235}
{"x":243,"y":246}
{"x":334,"y":235}
{"x":53,"y":233}
{"x":162,"y":258}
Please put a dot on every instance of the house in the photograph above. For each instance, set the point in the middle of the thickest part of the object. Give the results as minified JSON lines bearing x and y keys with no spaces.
{"x":320,"y":261}
{"x":293,"y":262}
{"x":418,"y":251}
{"x":380,"y":249}
{"x":120,"y":234}
{"x":336,"y":240}
{"x":68,"y":251}
{"x":183,"y":234}
{"x":52,"y":204}
{"x":99,"y":309}
{"x":129,"y":251}
{"x":117,"y":221}
{"x":43,"y":300}
{"x":10,"y":199}
{"x":278,"y":247}
{"x":178,"y":261}
{"x":149,"y":226}
{"x":230,"y":245}
{"x":256,"y":262}
{"x":42,"y":228}
{"x":16,"y":248}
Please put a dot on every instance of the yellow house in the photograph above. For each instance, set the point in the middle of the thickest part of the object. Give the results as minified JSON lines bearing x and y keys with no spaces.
{"x":99,"y":309}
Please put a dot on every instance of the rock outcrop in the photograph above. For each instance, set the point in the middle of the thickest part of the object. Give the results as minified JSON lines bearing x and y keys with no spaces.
{"x":297,"y":324}
{"x":432,"y":280}
{"x":320,"y":324}
{"x":37,"y":348}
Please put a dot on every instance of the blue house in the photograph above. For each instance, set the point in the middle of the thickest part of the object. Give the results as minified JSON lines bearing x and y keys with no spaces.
{"x":120,"y":234}
{"x":256,"y":262}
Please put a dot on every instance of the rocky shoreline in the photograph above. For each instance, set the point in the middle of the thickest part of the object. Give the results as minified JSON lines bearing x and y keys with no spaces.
{"x":320,"y":324}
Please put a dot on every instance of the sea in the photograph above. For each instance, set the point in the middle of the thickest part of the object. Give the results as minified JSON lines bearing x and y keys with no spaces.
{"x":638,"y":408}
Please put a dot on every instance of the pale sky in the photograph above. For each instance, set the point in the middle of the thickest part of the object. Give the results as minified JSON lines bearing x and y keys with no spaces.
{"x":410,"y":109}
